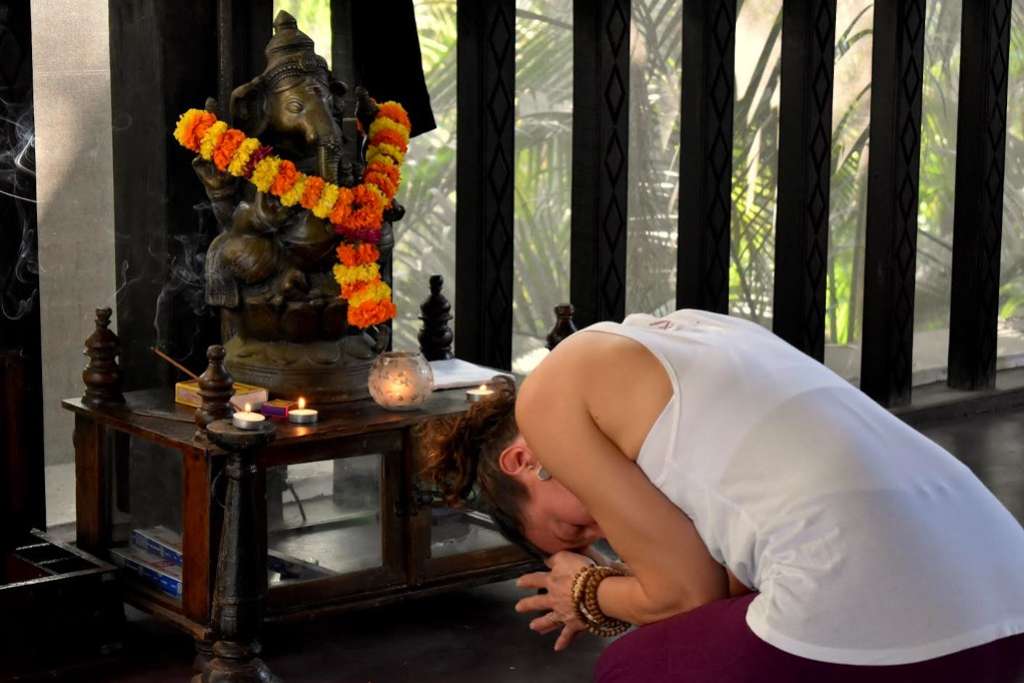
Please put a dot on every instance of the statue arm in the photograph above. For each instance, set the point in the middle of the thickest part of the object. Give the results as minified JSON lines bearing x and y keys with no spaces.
{"x":221,"y":189}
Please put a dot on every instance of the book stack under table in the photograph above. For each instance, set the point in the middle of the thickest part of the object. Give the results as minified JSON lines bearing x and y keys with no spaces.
{"x":344,"y":520}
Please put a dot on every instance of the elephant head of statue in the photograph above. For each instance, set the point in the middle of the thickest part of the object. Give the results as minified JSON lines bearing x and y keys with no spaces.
{"x":295,"y":104}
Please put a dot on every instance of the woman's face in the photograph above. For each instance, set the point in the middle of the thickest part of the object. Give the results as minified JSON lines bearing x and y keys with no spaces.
{"x":554,"y":519}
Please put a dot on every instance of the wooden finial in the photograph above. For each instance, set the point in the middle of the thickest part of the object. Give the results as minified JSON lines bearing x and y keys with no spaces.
{"x":102,"y":376}
{"x":216,"y":387}
{"x":435,"y":336}
{"x":564,"y":325}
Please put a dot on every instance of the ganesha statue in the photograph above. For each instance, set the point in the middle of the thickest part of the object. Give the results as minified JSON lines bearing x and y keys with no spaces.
{"x":284,"y":325}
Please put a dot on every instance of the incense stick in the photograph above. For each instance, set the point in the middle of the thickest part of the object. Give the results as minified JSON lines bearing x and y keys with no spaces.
{"x":173,"y":362}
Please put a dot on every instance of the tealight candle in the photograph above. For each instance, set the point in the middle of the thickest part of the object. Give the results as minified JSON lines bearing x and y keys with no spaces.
{"x":247,"y":419}
{"x":302,"y":415}
{"x":481,"y":392}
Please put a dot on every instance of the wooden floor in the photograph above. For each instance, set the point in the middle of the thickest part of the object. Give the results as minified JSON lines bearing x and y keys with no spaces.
{"x":474,"y":635}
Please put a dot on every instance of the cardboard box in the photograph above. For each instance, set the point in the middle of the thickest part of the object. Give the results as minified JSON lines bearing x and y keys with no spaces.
{"x":187,"y":394}
{"x":159,"y":541}
{"x":160,"y":573}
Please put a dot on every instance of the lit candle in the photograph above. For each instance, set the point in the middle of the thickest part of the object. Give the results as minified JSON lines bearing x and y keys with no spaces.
{"x":247,"y":419}
{"x":481,"y":392}
{"x":302,"y":415}
{"x":399,"y":390}
{"x":400,"y":380}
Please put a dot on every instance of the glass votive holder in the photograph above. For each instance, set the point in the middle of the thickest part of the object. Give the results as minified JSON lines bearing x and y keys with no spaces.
{"x":400,"y":380}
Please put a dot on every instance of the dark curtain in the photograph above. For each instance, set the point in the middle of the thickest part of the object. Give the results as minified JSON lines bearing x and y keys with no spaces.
{"x":388,"y":64}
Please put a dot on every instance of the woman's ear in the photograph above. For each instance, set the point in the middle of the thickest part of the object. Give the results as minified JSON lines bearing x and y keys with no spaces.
{"x":516,"y":457}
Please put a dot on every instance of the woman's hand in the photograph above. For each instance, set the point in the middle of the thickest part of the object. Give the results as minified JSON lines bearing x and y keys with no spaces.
{"x":557,"y":602}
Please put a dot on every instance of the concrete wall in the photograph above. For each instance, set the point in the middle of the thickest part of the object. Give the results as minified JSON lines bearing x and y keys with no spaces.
{"x":71,"y":74}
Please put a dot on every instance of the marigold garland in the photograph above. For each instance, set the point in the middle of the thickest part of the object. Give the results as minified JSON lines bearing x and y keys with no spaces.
{"x":356,"y":213}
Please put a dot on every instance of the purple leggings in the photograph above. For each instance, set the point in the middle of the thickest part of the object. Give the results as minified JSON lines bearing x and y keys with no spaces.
{"x":714,"y":644}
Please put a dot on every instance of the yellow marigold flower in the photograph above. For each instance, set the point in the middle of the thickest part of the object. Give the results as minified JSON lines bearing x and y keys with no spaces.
{"x":384,"y":159}
{"x":181,"y":126}
{"x":292,"y":196}
{"x":265,"y":172}
{"x":325,"y":205}
{"x":349,"y":275}
{"x":211,"y":139}
{"x":241,"y":158}
{"x":386,"y":150}
{"x":380,"y":123}
{"x":384,"y":200}
{"x":374,"y":291}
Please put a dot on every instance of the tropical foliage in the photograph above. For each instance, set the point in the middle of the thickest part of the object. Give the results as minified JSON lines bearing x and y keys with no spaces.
{"x":543,"y":168}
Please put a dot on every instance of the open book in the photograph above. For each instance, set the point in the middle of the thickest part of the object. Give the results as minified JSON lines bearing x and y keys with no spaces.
{"x":454,"y":373}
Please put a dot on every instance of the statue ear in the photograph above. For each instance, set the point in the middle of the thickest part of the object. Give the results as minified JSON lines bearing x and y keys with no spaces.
{"x":249,"y":107}
{"x":338,"y":91}
{"x":337,"y":88}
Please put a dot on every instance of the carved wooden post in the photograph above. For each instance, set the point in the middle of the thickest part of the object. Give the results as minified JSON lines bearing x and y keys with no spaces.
{"x":436,"y":336}
{"x":102,"y":377}
{"x":241,"y":587}
{"x":216,"y":388}
{"x":564,"y":325}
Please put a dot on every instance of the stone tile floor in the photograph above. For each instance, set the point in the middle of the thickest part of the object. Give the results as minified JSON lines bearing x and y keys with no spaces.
{"x":474,"y":635}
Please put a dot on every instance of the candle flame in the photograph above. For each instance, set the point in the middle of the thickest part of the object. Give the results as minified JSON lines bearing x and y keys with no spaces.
{"x":483,"y":387}
{"x":248,"y":407}
{"x":302,"y":403}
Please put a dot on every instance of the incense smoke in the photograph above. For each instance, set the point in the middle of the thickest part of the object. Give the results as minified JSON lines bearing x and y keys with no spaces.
{"x":186,"y":278}
{"x":19,"y":277}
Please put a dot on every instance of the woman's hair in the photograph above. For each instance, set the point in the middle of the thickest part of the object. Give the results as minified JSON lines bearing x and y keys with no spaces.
{"x":461,"y":460}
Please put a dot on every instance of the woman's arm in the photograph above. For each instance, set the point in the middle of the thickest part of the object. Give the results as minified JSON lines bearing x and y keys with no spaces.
{"x":672,"y":569}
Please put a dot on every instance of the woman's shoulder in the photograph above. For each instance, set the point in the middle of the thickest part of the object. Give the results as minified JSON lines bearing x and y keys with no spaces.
{"x":585,"y":357}
{"x":601,"y":371}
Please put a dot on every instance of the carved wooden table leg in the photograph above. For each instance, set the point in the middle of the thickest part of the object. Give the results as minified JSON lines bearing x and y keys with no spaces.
{"x":204,"y":655}
{"x":241,"y":567}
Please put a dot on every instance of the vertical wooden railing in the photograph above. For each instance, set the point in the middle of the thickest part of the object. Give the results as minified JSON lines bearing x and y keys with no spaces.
{"x":897,"y":73}
{"x":705,"y":163}
{"x":600,"y":159}
{"x":805,"y":146}
{"x":485,"y":178}
{"x":978,"y":211}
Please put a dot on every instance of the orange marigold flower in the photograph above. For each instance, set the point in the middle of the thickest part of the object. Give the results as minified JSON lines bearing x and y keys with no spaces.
{"x":195,"y":127}
{"x":348,"y":290}
{"x":365,"y":218}
{"x":227,"y":147}
{"x":371,"y":313}
{"x":368,"y":253}
{"x":286,"y":176}
{"x":383,"y":182}
{"x":346,"y":254}
{"x":203,"y":124}
{"x":357,"y":254}
{"x":342,"y":206}
{"x":314,"y":186}
{"x":388,"y":168}
{"x":366,"y":197}
{"x":390,"y":137}
{"x":395,"y":112}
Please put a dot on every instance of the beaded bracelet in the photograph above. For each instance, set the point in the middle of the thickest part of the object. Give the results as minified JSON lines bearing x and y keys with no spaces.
{"x":584,"y":600}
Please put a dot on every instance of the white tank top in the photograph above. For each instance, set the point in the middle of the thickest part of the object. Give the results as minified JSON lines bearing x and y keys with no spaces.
{"x":868,"y":543}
